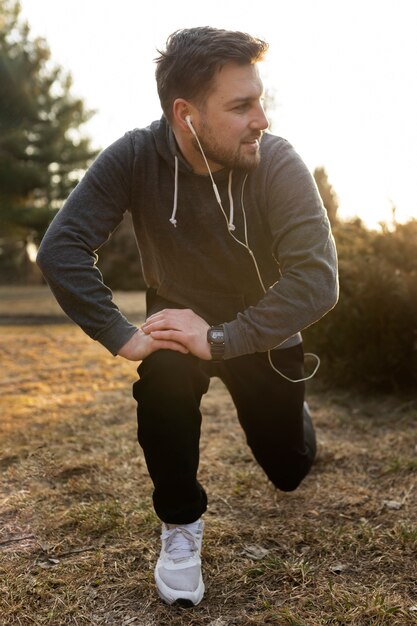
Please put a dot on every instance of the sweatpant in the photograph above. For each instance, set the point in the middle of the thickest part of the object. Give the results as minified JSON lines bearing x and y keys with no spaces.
{"x":270,"y":409}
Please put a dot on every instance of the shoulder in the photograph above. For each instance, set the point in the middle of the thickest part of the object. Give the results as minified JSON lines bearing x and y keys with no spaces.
{"x":276,"y":150}
{"x":137,"y":139}
{"x":128,"y":147}
{"x":280,"y":162}
{"x":283,"y":175}
{"x":274,"y":142}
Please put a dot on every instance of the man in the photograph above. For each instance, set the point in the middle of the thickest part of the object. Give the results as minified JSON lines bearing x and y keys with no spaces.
{"x":238,"y":257}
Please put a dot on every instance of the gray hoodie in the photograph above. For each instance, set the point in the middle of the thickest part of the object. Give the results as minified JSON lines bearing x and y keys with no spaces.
{"x":190,"y":256}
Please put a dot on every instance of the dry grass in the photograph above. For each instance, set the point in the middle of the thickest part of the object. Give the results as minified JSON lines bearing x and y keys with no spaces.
{"x":79,"y":539}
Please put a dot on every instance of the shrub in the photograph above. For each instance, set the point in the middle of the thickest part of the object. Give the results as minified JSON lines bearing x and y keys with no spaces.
{"x":370,"y":339}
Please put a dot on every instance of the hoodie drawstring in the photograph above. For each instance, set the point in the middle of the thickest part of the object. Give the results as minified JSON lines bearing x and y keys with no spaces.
{"x":174,"y":208}
{"x":230,"y":223}
{"x":231,"y":206}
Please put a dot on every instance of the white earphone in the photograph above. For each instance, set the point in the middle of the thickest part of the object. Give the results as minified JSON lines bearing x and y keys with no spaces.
{"x":245,"y":244}
{"x":189,"y":124}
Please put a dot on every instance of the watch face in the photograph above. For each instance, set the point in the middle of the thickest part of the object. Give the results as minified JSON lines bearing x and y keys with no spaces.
{"x":217,"y":336}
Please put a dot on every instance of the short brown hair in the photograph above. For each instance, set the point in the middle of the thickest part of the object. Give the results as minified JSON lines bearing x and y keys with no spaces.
{"x":192,"y":57}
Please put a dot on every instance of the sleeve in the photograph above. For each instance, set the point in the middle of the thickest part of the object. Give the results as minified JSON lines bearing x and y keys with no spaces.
{"x":67,"y":255}
{"x":304,"y":248}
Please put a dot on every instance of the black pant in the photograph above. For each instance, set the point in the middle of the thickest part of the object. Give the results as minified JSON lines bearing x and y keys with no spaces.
{"x":270,"y":410}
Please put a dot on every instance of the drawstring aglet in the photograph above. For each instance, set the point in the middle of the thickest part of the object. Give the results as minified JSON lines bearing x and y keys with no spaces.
{"x":173,"y":222}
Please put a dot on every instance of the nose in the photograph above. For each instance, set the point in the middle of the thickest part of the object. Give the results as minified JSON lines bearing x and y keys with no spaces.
{"x":259,"y":120}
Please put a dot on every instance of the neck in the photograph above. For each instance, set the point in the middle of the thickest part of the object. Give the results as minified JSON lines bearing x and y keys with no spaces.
{"x":192,"y":154}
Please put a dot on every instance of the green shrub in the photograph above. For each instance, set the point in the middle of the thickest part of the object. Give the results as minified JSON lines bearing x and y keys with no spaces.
{"x":370,"y":338}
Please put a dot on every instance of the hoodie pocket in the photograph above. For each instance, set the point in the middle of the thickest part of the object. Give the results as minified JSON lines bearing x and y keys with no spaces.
{"x":214,"y":307}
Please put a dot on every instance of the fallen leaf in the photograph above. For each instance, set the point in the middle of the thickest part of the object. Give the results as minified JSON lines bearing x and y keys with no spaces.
{"x":338,"y":568}
{"x":49,"y":562}
{"x":256,"y":553}
{"x":392,"y":504}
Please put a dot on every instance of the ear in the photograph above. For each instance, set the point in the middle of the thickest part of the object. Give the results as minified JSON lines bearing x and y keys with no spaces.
{"x":180,"y":109}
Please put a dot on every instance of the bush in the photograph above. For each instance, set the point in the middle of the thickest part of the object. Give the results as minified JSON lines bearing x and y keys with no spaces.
{"x":370,"y":339}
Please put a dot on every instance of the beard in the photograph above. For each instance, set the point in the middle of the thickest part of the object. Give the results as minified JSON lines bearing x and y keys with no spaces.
{"x":232,"y":158}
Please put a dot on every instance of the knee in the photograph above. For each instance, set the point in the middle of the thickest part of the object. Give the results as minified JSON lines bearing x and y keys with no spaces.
{"x":289,"y":476}
{"x":287,"y":483}
{"x":166,"y":375}
{"x":166,"y":364}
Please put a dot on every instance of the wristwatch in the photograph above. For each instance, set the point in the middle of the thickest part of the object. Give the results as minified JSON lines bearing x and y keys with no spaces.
{"x":215,"y":337}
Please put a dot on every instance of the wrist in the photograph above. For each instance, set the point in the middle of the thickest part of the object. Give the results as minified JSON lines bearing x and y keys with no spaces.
{"x":130,"y":347}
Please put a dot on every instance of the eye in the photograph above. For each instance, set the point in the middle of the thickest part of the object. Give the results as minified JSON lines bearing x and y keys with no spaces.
{"x":241,"y":108}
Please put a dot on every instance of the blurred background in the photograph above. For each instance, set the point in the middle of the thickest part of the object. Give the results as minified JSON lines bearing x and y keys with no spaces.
{"x":340,"y":83}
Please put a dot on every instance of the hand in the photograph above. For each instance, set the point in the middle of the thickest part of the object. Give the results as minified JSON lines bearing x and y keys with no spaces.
{"x":141,"y":345}
{"x":181,"y":326}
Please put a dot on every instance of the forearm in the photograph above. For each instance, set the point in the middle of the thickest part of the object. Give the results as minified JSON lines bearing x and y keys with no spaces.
{"x":297,"y":300}
{"x":78,"y":288}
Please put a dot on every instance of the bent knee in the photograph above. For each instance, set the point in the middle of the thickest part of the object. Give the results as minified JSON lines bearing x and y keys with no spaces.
{"x":169,"y":374}
{"x":288,"y":485}
{"x":288,"y":477}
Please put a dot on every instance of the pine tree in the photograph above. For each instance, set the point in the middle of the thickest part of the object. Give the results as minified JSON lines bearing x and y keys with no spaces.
{"x":42,"y":150}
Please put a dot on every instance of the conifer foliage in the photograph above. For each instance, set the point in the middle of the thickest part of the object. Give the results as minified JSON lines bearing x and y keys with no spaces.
{"x":42,"y":151}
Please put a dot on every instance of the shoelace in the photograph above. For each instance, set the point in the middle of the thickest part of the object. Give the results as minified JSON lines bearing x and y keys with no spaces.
{"x":180,"y":543}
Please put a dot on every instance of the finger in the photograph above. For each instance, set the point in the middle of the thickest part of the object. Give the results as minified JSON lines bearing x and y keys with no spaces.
{"x":161,"y":314}
{"x":148,"y":328}
{"x":157,"y":318}
{"x":165,"y":324}
{"x":168,"y":335}
{"x":169,"y":345}
{"x":160,"y":323}
{"x":153,"y":317}
{"x":148,"y":323}
{"x":170,"y":314}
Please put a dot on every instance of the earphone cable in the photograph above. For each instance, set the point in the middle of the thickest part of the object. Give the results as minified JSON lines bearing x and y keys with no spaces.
{"x":230,"y":227}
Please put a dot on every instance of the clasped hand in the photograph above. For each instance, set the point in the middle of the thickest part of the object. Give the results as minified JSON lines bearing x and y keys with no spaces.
{"x":181,"y":330}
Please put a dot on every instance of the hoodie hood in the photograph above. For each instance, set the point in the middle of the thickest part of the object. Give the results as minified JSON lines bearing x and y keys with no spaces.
{"x":166,"y":145}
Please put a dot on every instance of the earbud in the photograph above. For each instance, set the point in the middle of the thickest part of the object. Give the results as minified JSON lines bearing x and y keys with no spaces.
{"x":189,"y":124}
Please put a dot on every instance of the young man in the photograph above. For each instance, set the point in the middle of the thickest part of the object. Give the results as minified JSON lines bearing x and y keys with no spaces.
{"x":238,"y":257}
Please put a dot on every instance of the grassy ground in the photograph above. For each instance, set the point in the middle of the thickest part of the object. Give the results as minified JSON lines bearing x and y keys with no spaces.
{"x":79,"y":539}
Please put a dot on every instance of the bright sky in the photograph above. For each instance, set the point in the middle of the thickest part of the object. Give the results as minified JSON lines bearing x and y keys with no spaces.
{"x":344,"y":75}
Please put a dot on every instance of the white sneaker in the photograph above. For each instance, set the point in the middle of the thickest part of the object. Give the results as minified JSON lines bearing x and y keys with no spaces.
{"x":178,"y":570}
